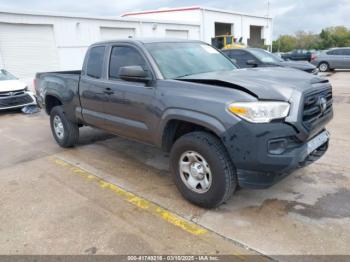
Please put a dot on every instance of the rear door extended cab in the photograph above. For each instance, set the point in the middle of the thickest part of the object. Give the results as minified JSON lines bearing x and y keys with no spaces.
{"x":222,"y":126}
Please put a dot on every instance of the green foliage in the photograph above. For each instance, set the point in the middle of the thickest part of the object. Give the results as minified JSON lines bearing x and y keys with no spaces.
{"x":338,"y":36}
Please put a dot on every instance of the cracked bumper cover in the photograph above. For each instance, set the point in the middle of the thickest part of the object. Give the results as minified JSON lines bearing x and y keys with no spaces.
{"x":265,"y":153}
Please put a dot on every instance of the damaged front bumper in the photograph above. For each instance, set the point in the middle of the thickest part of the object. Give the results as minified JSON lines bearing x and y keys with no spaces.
{"x":19,"y":99}
{"x":265,"y":153}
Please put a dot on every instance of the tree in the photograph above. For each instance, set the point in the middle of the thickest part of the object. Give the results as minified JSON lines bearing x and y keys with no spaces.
{"x":284,"y":43}
{"x":338,"y":36}
{"x":307,"y":40}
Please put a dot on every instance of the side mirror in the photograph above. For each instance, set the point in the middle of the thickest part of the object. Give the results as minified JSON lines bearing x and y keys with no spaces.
{"x":233,"y":60}
{"x":134,"y":73}
{"x":252,"y":63}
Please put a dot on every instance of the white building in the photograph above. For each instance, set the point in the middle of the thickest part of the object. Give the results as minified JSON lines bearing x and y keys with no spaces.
{"x":254,"y":30}
{"x":33,"y":42}
{"x":39,"y":42}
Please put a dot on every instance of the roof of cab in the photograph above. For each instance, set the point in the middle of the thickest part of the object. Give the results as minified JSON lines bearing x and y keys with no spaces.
{"x":147,"y":41}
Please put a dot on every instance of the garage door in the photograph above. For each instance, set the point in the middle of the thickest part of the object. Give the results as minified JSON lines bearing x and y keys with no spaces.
{"x":112,"y":33}
{"x":183,"y":34}
{"x":27,"y":49}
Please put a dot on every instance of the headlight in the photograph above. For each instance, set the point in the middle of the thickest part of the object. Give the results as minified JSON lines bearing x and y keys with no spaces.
{"x":260,"y":112}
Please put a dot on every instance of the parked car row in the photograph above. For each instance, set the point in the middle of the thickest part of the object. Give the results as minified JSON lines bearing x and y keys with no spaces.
{"x":256,"y":57}
{"x":335,"y":58}
{"x":327,"y":60}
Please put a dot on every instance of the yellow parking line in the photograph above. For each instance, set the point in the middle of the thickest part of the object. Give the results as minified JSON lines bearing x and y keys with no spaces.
{"x":136,"y":200}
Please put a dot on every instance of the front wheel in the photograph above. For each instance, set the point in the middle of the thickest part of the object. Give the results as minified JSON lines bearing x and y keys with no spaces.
{"x":324,"y":67}
{"x":65,"y":132}
{"x":202,"y":170}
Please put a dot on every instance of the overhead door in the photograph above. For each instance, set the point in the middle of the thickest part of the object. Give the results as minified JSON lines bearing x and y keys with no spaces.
{"x":112,"y":33}
{"x":255,"y":39}
{"x":27,"y":49}
{"x":183,"y":34}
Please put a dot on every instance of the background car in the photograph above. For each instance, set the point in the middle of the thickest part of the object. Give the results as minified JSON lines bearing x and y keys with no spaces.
{"x":278,"y":54}
{"x":256,"y":57}
{"x":298,"y":55}
{"x":335,"y":58}
{"x":13,"y":92}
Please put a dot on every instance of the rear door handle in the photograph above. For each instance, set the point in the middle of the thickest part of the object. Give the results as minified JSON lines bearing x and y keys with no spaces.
{"x":108,"y":91}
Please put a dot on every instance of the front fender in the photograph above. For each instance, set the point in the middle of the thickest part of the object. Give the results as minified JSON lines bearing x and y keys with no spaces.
{"x":202,"y":119}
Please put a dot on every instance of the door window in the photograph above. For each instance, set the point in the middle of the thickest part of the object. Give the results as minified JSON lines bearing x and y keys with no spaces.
{"x":242,"y":57}
{"x":95,"y":62}
{"x":335,"y":52}
{"x":124,"y":56}
{"x":346,"y":52}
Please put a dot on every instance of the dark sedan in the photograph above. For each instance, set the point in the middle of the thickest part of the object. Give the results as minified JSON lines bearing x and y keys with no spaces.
{"x":256,"y":57}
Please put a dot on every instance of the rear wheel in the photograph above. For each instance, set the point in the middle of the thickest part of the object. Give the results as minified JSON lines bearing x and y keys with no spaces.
{"x":65,"y":132}
{"x":202,"y":170}
{"x":323,"y":66}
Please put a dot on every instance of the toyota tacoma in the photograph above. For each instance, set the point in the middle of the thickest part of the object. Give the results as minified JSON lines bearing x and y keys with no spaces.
{"x":224,"y":127}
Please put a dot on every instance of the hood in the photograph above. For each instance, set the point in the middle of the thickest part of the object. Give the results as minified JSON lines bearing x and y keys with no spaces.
{"x":298,"y":65}
{"x":276,"y":83}
{"x":11,"y":85}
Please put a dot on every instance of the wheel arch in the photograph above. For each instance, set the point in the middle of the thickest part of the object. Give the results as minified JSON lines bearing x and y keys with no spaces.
{"x":177,"y":122}
{"x":51,"y":100}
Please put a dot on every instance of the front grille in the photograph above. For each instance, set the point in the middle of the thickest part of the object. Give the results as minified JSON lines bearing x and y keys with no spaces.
{"x":15,"y":100}
{"x":317,"y":106}
{"x":11,"y":93}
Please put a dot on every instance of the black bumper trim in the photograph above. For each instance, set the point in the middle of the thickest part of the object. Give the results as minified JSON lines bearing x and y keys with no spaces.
{"x":247,"y":145}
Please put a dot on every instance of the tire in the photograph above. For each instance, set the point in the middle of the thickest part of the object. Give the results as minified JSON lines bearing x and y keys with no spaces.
{"x":323,"y":67}
{"x":208,"y":148}
{"x":65,"y":132}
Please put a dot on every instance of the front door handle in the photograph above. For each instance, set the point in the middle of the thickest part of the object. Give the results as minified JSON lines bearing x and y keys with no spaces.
{"x":108,"y":91}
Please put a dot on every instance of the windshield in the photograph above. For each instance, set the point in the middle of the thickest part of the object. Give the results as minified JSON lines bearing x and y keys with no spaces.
{"x":176,"y":60}
{"x":265,"y":56}
{"x":4,"y":75}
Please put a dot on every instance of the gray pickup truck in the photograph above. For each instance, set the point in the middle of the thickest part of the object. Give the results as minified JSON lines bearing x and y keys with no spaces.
{"x":224,"y":127}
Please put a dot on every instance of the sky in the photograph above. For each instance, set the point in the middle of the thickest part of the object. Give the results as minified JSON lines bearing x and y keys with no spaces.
{"x":289,"y":15}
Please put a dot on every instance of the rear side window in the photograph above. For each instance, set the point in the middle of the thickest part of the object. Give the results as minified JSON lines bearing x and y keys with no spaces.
{"x":346,"y":52}
{"x":124,"y":56}
{"x":335,"y":52}
{"x":95,"y":62}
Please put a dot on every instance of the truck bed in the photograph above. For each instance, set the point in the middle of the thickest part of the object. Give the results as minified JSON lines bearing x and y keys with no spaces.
{"x":63,"y":84}
{"x":57,"y":73}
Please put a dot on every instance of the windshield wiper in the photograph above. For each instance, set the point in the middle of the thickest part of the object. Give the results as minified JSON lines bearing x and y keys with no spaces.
{"x":184,"y":76}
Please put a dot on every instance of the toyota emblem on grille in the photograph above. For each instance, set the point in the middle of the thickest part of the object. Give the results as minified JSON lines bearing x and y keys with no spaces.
{"x":322,"y":103}
{"x":11,"y":93}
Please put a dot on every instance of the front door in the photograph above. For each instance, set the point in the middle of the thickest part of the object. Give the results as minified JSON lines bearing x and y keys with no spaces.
{"x":129,"y":111}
